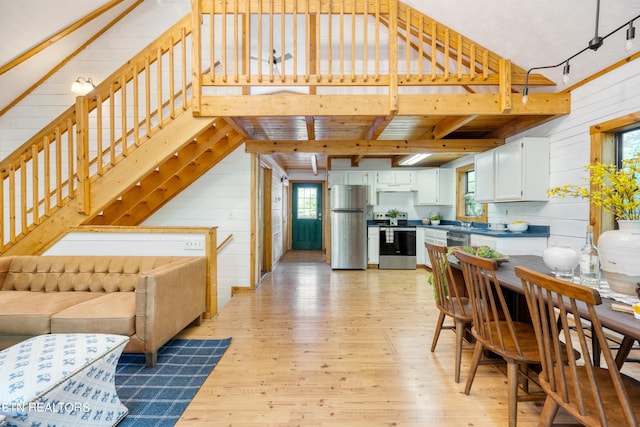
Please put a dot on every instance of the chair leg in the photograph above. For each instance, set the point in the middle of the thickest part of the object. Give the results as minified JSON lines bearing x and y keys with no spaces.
{"x":436,"y":334}
{"x":459,"y":338}
{"x":477,"y":355}
{"x":549,"y":412}
{"x":512,"y":380}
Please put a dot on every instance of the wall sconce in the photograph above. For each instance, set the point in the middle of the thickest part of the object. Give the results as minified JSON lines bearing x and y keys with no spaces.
{"x":82,"y":86}
{"x":284,"y":180}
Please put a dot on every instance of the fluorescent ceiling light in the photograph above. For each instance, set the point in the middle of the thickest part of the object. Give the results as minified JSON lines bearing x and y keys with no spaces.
{"x":413,"y":159}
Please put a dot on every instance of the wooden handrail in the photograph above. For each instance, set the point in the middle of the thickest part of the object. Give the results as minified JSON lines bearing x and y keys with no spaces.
{"x":224,"y":242}
{"x":58,"y":164}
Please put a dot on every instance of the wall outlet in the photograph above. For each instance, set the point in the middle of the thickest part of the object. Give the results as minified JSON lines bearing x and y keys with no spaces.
{"x":193,"y":243}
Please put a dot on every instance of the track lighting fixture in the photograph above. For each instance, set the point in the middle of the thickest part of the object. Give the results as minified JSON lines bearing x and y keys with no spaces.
{"x":82,"y":86}
{"x":593,"y":44}
{"x":631,"y":34}
{"x":565,"y":72}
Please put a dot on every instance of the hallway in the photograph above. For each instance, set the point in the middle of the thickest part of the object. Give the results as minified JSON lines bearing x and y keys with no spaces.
{"x":313,"y":346}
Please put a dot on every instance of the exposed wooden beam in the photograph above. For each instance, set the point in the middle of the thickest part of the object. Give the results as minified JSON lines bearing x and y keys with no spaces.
{"x":363,"y":147}
{"x":378,"y":105}
{"x":450,"y":124}
{"x":311,"y":132}
{"x":378,"y":126}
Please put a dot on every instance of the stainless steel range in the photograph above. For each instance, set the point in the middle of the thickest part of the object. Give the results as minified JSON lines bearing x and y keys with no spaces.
{"x":397,"y":242}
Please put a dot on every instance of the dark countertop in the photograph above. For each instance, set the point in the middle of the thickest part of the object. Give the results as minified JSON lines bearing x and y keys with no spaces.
{"x":479,"y":228}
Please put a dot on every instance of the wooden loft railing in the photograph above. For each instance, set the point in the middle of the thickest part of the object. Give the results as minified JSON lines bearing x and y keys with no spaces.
{"x":315,"y":43}
{"x":60,"y":163}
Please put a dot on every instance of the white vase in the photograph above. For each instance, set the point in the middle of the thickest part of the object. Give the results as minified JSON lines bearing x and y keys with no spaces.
{"x":561,"y":260}
{"x":619,"y":252}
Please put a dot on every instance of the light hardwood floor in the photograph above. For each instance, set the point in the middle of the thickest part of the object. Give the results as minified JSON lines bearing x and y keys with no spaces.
{"x":316,"y":347}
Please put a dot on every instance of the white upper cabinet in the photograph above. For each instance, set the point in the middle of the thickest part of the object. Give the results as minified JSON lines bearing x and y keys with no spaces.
{"x":352,"y":177}
{"x":518,"y":171}
{"x":435,"y":187}
{"x":484,"y":168}
{"x":395,"y":180}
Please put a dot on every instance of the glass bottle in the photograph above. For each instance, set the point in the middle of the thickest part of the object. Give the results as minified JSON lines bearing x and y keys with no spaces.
{"x":589,"y":262}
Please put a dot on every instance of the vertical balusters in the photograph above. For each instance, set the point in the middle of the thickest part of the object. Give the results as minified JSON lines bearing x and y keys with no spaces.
{"x":246,"y":26}
{"x":459,"y":56}
{"x":23,"y":193}
{"x":271,"y":29}
{"x":35,"y":184}
{"x":147,"y":95}
{"x":159,"y":86}
{"x":259,"y":54}
{"x":112,"y":127}
{"x":307,"y":42}
{"x":58,"y":170}
{"x":212,"y":49}
{"x":123,"y":112}
{"x":46,"y":145}
{"x":223,"y":26}
{"x":365,"y":42}
{"x":172,"y":86}
{"x":183,"y":45}
{"x":421,"y":48}
{"x":341,"y":41}
{"x":407,"y":48}
{"x":99,"y":129}
{"x":434,"y":50}
{"x":353,"y":42}
{"x":472,"y":62}
{"x":485,"y":64}
{"x":377,"y":25}
{"x":71,"y":154}
{"x":12,"y":204}
{"x":236,"y":49}
{"x":330,"y":41}
{"x":446,"y":54}
{"x":318,"y":40}
{"x":295,"y":42}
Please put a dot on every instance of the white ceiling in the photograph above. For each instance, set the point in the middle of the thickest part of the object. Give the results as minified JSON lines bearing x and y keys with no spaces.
{"x":529,"y":33}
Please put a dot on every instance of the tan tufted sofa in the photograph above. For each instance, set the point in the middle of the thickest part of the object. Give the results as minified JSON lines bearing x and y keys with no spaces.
{"x":147,"y":298}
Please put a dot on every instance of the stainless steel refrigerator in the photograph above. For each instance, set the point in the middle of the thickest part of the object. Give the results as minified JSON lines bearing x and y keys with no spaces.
{"x":349,"y":227}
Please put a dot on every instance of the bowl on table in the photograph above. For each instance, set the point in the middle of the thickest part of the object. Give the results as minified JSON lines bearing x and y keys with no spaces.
{"x":518,"y":227}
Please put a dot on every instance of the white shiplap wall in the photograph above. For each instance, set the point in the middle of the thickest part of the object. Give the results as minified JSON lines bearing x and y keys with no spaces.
{"x":114,"y":48}
{"x":613,"y":95}
{"x":222,"y":198}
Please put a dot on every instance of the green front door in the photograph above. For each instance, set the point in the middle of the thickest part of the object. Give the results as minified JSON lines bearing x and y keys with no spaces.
{"x":306,"y":217}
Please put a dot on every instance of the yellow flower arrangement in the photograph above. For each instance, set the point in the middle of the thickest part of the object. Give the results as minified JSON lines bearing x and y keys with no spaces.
{"x":614,"y":190}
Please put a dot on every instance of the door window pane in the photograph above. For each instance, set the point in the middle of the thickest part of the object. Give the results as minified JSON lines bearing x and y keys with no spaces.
{"x":307,"y":203}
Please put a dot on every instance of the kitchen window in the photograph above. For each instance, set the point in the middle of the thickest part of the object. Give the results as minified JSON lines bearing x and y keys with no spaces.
{"x":466,"y":207}
{"x":627,"y":145}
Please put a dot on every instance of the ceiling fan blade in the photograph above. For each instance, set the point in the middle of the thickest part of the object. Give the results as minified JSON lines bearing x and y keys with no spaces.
{"x":287,"y":56}
{"x":259,"y":59}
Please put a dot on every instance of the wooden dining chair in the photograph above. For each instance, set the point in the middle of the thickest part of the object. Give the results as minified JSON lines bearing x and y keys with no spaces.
{"x":594,"y":396}
{"x":448,"y":301}
{"x":495,"y":330}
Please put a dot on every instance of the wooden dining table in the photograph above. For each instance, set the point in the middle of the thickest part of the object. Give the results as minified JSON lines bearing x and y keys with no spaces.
{"x":620,"y":322}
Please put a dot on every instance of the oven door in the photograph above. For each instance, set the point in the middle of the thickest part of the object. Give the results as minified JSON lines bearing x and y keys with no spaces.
{"x":397,"y":248}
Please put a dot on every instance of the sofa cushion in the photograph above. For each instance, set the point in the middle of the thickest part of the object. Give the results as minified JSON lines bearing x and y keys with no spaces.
{"x":112,"y":313}
{"x":29,"y":313}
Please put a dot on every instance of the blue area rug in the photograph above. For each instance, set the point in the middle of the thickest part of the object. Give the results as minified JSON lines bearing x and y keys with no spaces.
{"x":158,"y":396}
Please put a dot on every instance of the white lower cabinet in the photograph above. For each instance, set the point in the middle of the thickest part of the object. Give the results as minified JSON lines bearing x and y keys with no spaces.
{"x":373,"y":245}
{"x":421,"y":251}
{"x":511,"y":245}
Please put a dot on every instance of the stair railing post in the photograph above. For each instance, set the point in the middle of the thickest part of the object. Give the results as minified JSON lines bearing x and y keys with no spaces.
{"x":83,"y":195}
{"x":393,"y":58}
{"x":196,"y":59}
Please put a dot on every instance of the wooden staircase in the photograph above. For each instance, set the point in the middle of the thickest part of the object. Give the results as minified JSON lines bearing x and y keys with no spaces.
{"x":115,"y":157}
